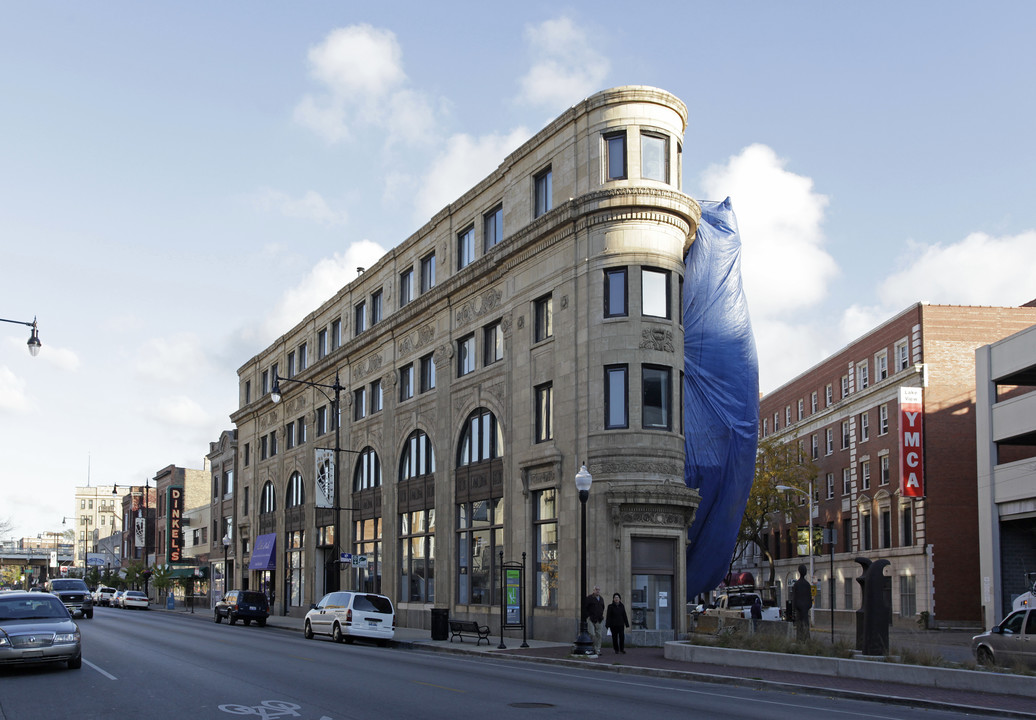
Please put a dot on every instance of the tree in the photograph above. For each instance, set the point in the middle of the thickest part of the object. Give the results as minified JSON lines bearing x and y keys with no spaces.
{"x":6,"y":527}
{"x":776,"y":463}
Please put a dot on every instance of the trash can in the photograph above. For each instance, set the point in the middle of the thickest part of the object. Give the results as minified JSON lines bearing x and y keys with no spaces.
{"x":440,"y":624}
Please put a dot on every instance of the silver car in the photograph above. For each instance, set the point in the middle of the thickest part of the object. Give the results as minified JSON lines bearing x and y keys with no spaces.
{"x":36,"y":628}
{"x":1012,"y":641}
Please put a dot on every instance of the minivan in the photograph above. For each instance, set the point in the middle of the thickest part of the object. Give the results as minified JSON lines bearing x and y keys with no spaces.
{"x":349,"y":615}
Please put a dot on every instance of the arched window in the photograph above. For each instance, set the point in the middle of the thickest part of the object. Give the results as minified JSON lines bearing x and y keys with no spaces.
{"x":481,"y":439}
{"x":418,"y":457}
{"x":368,"y":471}
{"x":296,"y":492}
{"x":268,"y":499}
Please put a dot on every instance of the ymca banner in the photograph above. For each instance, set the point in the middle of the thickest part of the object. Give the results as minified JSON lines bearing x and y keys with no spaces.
{"x":139,"y":531}
{"x":911,"y":442}
{"x":325,"y":485}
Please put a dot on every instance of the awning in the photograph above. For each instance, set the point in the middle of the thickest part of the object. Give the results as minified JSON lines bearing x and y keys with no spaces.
{"x":263,"y":555}
{"x":199,"y":572}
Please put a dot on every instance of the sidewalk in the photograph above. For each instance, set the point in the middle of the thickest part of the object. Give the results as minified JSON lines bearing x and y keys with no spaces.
{"x":911,"y":691}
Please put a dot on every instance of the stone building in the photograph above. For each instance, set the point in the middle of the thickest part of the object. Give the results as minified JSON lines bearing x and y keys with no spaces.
{"x":227,"y":528}
{"x":529,"y":327}
{"x":851,"y":414}
{"x":95,"y":517}
{"x":1006,"y":443}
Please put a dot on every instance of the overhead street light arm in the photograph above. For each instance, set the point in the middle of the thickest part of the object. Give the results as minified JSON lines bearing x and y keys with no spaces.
{"x":34,"y":337}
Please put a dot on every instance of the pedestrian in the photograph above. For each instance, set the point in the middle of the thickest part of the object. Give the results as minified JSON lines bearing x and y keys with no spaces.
{"x":617,"y":622}
{"x":801,"y":602}
{"x":593,"y":614}
{"x":757,"y":613}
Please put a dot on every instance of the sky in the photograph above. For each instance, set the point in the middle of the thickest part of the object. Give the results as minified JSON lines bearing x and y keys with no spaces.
{"x":180,"y":183}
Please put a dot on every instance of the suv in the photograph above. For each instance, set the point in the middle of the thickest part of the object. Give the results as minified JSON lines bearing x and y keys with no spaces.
{"x":74,"y":595}
{"x":244,"y":605}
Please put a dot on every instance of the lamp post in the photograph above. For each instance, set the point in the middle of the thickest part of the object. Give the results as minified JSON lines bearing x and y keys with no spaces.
{"x":226,"y":546}
{"x":336,"y":388}
{"x":800,"y":491}
{"x":34,"y":337}
{"x":584,"y":644}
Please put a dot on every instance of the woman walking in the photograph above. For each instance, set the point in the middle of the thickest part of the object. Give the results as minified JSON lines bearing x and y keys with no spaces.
{"x":617,"y":622}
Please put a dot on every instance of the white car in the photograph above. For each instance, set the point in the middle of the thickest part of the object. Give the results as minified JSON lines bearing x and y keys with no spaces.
{"x":346,"y":616}
{"x":135,"y":599}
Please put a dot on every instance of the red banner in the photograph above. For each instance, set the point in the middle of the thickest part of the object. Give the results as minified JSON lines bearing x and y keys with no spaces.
{"x":911,"y":442}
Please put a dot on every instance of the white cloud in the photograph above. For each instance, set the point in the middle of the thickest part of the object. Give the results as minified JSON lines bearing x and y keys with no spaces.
{"x":180,"y":411}
{"x":175,"y":359}
{"x":325,"y":279}
{"x":970,"y":272}
{"x":311,"y":206}
{"x":465,"y":161}
{"x":12,"y":391}
{"x":568,"y":66}
{"x":59,"y":357}
{"x":360,"y":69}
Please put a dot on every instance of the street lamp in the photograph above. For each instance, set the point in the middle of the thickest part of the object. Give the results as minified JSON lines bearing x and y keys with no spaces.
{"x":336,"y":387}
{"x":584,"y":644}
{"x":226,"y":546}
{"x":786,"y":488}
{"x":34,"y":336}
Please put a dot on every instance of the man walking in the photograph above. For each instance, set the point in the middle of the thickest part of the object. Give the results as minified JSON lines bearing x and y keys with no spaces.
{"x":593,"y":613}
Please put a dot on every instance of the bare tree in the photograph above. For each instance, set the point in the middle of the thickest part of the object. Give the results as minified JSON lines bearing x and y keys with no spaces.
{"x":6,"y":527}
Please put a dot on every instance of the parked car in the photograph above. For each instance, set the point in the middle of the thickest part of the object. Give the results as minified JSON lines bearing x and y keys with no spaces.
{"x":116,"y":599}
{"x":243,"y":605}
{"x":74,"y":594}
{"x":103,"y":595}
{"x":135,"y":599}
{"x":346,"y":616}
{"x":1013,"y":640}
{"x":37,"y":628}
{"x":738,"y":604}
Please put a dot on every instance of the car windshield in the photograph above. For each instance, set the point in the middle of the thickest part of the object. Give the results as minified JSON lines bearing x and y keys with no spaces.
{"x":67,"y":585}
{"x":35,"y":608}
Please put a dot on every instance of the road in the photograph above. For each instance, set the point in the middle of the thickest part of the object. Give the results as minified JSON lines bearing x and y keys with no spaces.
{"x":158,"y":665}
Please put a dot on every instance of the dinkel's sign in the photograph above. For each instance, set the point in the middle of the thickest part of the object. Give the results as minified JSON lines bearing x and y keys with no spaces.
{"x":175,"y":524}
{"x":911,"y":442}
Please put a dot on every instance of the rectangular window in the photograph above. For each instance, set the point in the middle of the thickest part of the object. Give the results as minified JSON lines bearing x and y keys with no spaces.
{"x":830,"y":485}
{"x":360,"y":314}
{"x":787,"y":416}
{"x":883,"y":419}
{"x":829,"y":441}
{"x":291,"y":364}
{"x":492,"y":228}
{"x":289,"y":435}
{"x":248,"y":391}
{"x":615,"y":152}
{"x":465,"y":355}
{"x":544,"y":412}
{"x":813,"y":403}
{"x":907,"y":596}
{"x":336,"y":337}
{"x":902,"y":350}
{"x":866,"y":541}
{"x":656,"y":397}
{"x":884,"y":465}
{"x":417,"y":550}
{"x":814,"y":446}
{"x":480,"y":537}
{"x":427,"y":373}
{"x":546,"y":561}
{"x":845,"y":435}
{"x":865,"y":426}
{"x":428,"y":272}
{"x":301,"y":432}
{"x":248,"y":454}
{"x":846,"y":481}
{"x":377,"y":400}
{"x":829,"y":395}
{"x":616,"y":397}
{"x":492,"y":343}
{"x":377,"y":312}
{"x":766,"y":427}
{"x":544,"y":192}
{"x":906,"y":526}
{"x":266,"y":382}
{"x":303,"y":356}
{"x":847,"y":590}
{"x":886,"y":528}
{"x":654,"y":157}
{"x":776,"y":422}
{"x":655,"y":292}
{"x":865,"y":475}
{"x":615,"y":293}
{"x":862,"y":376}
{"x":845,"y":386}
{"x":322,"y":344}
{"x":881,"y":366}
{"x":406,"y":287}
{"x":406,"y":382}
{"x":466,"y":247}
{"x":544,"y":311}
{"x":801,"y":410}
{"x":360,"y":403}
{"x":273,"y":443}
{"x":321,"y":420}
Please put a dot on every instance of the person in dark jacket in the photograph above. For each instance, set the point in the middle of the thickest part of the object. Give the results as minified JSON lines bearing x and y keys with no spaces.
{"x":593,"y":613}
{"x":617,"y":622}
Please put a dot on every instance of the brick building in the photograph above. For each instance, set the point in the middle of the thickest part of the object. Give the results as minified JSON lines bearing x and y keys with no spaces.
{"x":846,"y":413}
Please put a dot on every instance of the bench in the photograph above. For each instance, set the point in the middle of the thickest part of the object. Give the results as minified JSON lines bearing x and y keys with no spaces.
{"x":460,"y":628}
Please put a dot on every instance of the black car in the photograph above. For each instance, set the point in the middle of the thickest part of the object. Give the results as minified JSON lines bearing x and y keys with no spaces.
{"x":74,"y":595}
{"x":243,"y":605}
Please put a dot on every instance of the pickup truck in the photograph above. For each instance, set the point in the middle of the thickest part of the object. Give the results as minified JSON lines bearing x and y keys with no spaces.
{"x":739,"y":604}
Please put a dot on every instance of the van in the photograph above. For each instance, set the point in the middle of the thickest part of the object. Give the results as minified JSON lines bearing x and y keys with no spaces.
{"x":346,"y":616}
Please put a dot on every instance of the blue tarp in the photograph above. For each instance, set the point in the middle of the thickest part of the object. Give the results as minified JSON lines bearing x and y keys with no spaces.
{"x":721,"y":395}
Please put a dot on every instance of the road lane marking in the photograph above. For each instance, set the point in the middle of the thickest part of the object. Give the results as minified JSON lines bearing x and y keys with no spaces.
{"x":441,"y":687}
{"x":106,"y":674}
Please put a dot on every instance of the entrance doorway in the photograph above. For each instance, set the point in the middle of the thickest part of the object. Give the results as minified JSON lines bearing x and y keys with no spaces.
{"x":652,"y":601}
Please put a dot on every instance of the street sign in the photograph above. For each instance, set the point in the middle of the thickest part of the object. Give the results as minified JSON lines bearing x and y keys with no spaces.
{"x":345,"y":557}
{"x":359,"y":561}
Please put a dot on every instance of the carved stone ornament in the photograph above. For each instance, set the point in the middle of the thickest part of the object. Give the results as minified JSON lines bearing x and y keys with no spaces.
{"x":486,"y":303}
{"x":521,"y":321}
{"x":650,"y":504}
{"x":368,"y":366}
{"x":564,"y":302}
{"x":443,"y":355}
{"x":657,"y":339}
{"x":417,"y":339}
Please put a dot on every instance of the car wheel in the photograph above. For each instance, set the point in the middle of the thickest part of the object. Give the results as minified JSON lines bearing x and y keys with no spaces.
{"x":217,"y":617}
{"x":336,"y":634}
{"x":75,"y":663}
{"x":247,"y":621}
{"x":231,"y":618}
{"x":382,"y":643}
{"x":261,"y":622}
{"x":308,"y":631}
{"x":985,"y":656}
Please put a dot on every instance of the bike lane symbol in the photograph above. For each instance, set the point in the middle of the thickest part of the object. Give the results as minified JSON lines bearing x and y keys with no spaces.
{"x":267,"y":709}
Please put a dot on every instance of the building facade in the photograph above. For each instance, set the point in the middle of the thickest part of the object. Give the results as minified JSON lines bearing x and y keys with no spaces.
{"x":530,"y":327}
{"x":227,"y":529}
{"x":96,"y":516}
{"x":1006,"y":444}
{"x":890,"y":483}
